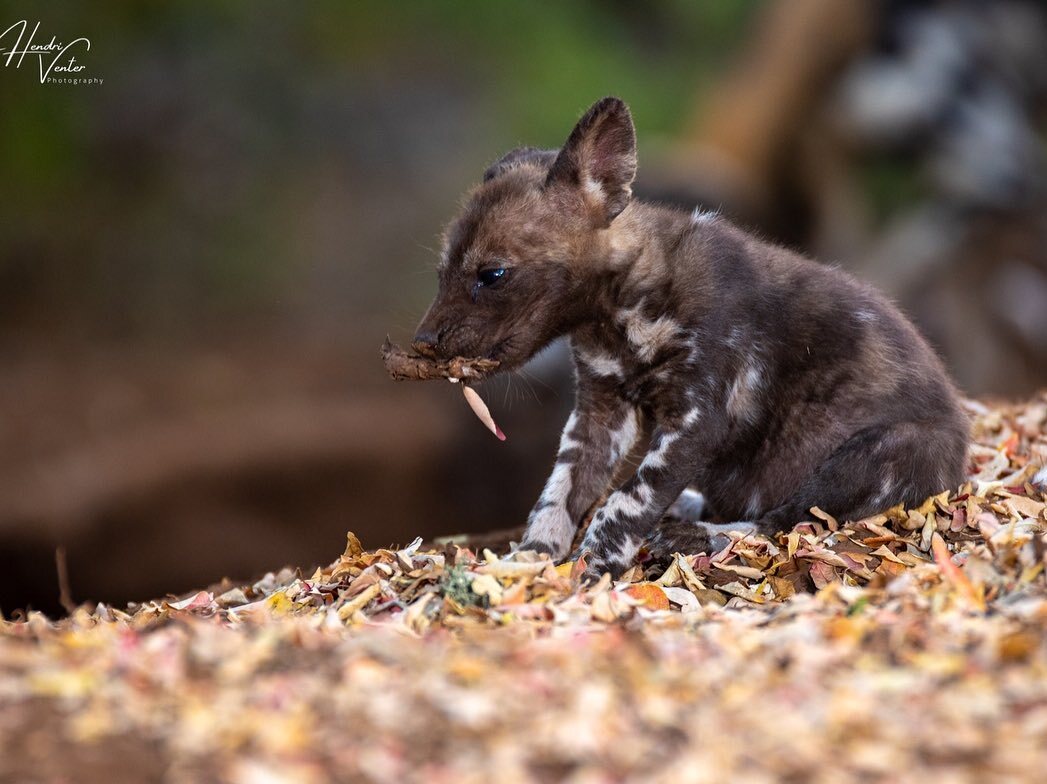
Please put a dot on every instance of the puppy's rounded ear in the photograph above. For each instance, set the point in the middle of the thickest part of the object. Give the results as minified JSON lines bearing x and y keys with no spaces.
{"x":599,"y":157}
{"x":518,"y":157}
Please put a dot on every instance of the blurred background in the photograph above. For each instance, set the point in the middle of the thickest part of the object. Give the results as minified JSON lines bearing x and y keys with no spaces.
{"x":200,"y":257}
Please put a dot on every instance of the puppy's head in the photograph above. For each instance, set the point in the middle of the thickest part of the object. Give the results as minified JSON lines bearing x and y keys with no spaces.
{"x":515,"y":260}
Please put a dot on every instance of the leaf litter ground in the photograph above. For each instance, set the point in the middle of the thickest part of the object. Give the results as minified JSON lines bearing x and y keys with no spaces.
{"x":910,"y":646}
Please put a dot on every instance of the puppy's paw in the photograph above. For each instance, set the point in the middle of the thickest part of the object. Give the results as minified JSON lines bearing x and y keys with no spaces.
{"x":678,"y":536}
{"x":549,"y":530}
{"x":596,"y":566}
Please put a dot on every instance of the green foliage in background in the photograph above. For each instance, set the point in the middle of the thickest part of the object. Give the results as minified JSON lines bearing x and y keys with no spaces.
{"x":193,"y":181}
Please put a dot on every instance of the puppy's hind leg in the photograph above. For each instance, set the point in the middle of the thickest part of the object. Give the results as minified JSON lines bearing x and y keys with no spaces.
{"x":875,"y":469}
{"x":691,"y":537}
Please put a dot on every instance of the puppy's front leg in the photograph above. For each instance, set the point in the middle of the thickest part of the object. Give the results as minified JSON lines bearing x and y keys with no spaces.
{"x":599,"y":433}
{"x":621,"y":525}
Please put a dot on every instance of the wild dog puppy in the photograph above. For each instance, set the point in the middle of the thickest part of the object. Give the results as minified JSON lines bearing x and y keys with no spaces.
{"x":771,"y":383}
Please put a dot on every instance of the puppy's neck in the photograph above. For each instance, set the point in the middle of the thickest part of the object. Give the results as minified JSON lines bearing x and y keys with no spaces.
{"x":630,"y":261}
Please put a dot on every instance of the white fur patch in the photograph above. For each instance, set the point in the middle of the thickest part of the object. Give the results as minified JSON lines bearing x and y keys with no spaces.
{"x":627,"y":550}
{"x":886,"y":491}
{"x":717,"y":532}
{"x":601,"y":364}
{"x":689,"y":506}
{"x":742,"y":396}
{"x":567,"y":441}
{"x":552,"y":526}
{"x":646,"y":336}
{"x":692,"y":416}
{"x":656,"y":457}
{"x":753,"y":507}
{"x":593,"y":188}
{"x":734,"y":338}
{"x":694,"y":353}
{"x":621,"y":504}
{"x":701,"y":215}
{"x":558,"y":485}
{"x":623,"y":439}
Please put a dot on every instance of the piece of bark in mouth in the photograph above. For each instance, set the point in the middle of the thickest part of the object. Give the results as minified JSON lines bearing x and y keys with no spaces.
{"x":402,"y":365}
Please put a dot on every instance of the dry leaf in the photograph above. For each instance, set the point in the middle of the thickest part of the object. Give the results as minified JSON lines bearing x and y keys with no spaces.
{"x":649,"y":595}
{"x":874,"y":653}
{"x":479,"y":408}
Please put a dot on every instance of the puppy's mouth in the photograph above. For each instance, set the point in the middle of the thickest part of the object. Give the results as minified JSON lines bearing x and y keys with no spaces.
{"x":499,"y":350}
{"x":506,"y":354}
{"x":425,"y":350}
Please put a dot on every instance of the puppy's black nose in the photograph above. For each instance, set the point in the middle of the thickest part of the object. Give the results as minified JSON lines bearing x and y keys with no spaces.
{"x":425,"y":341}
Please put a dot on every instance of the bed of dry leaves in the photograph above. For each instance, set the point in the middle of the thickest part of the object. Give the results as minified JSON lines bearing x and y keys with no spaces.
{"x":906,"y":647}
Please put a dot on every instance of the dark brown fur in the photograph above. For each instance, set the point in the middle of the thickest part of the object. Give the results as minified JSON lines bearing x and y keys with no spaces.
{"x":772,"y":383}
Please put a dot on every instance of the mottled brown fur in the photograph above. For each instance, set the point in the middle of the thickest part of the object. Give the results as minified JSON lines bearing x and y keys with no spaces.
{"x":771,"y":383}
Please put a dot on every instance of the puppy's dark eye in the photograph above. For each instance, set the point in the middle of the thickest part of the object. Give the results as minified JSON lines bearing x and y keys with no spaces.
{"x":491,"y":276}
